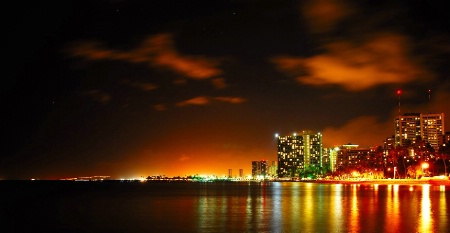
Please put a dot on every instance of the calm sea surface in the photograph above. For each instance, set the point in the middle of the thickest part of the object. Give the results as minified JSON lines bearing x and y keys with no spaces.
{"x":53,"y":206}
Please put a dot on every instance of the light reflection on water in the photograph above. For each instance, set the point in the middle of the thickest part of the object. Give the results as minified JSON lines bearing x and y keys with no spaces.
{"x":443,"y":217}
{"x":425,"y":220}
{"x":308,"y":207}
{"x":242,"y":207}
{"x":337,"y":214}
{"x":392,"y":209}
{"x":354,"y":211}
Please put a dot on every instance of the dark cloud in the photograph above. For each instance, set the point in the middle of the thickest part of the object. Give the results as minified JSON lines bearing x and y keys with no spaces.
{"x":199,"y":100}
{"x":383,"y":59}
{"x":145,"y":86}
{"x":324,"y":15}
{"x":98,"y":96}
{"x":157,"y":51}
{"x":204,"y":100}
{"x":228,"y":99}
{"x":160,"y":107}
{"x":219,"y":83}
{"x":367,"y":131}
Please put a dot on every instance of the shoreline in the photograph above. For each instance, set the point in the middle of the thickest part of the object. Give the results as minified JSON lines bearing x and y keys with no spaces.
{"x":434,"y":182}
{"x":445,"y":182}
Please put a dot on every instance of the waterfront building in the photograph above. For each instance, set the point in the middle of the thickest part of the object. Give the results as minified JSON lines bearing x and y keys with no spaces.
{"x":259,"y":169}
{"x":328,"y":159}
{"x":350,"y":156}
{"x":272,"y":169}
{"x":428,"y":127}
{"x":407,"y":129}
{"x":432,"y":129}
{"x":298,"y":154}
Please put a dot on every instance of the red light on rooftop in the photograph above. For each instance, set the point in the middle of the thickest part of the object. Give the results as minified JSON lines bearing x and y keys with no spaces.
{"x":399,"y":92}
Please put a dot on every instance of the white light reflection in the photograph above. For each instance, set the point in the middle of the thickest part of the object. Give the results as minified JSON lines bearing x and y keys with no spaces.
{"x":309,"y":210}
{"x":354,"y":211}
{"x":392,"y":210}
{"x":336,"y":215}
{"x":444,"y":218}
{"x":425,"y":220}
{"x":277,"y":199}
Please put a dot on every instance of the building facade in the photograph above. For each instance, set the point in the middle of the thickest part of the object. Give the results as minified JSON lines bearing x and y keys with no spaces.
{"x":411,"y":126}
{"x":298,"y":154}
{"x":351,"y":156}
{"x":432,"y":129}
{"x":407,"y":129}
{"x":259,"y":169}
{"x":272,"y":170}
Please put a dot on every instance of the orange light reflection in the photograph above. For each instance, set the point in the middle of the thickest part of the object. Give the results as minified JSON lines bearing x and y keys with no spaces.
{"x":392,"y":210}
{"x":354,"y":211}
{"x":426,"y":219}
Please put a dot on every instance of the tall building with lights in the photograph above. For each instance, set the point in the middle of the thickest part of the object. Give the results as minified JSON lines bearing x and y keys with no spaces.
{"x":409,"y":126}
{"x":328,"y":159}
{"x":297,"y":153}
{"x":432,"y":129}
{"x":259,"y":169}
{"x":272,"y":170}
{"x":332,"y":154}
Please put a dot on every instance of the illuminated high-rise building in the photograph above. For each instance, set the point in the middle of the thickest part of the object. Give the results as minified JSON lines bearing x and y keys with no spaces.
{"x":446,"y":138}
{"x":407,"y":129}
{"x":432,"y":129}
{"x":259,"y":169}
{"x":410,"y":126}
{"x":272,"y":170}
{"x":297,"y":153}
{"x":332,"y":154}
{"x":328,"y":159}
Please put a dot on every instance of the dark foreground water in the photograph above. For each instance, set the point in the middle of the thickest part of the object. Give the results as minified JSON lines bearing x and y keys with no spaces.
{"x":53,"y":206}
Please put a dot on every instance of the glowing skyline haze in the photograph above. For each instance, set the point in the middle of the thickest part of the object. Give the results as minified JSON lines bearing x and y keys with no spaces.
{"x":139,"y":88}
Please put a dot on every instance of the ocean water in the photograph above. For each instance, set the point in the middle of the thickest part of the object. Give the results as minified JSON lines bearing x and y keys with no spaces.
{"x":67,"y":206}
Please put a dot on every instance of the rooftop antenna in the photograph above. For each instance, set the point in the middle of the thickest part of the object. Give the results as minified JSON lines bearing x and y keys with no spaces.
{"x":399,"y":93}
{"x":429,"y":99}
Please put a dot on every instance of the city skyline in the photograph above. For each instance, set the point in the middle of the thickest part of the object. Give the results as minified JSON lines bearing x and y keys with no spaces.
{"x":137,"y":88}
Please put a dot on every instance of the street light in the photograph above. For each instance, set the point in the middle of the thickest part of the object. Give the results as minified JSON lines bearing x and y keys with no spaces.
{"x":424,"y":165}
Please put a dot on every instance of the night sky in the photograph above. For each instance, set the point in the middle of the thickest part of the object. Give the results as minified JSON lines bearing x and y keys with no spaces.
{"x":138,"y":88}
